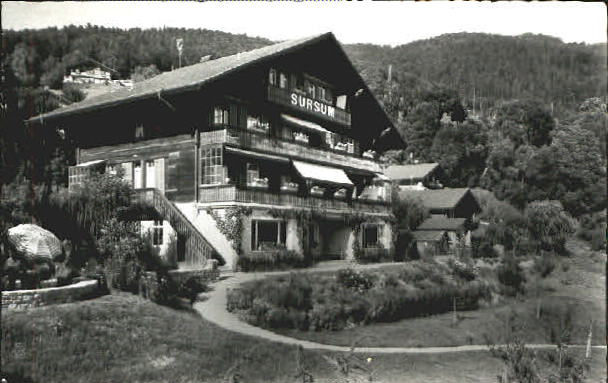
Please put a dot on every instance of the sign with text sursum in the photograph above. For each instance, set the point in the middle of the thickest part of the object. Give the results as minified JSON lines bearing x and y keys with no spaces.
{"x":313,"y":105}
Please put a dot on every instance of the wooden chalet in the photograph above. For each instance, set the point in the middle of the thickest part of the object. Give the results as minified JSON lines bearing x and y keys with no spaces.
{"x":284,"y":128}
{"x":449,"y":202}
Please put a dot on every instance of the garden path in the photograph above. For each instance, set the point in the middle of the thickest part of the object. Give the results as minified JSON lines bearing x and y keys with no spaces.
{"x":214,"y":310}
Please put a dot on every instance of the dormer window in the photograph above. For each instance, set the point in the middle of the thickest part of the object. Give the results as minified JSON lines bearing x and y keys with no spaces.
{"x":310,"y":90}
{"x":282,"y":80}
{"x":139,"y":131}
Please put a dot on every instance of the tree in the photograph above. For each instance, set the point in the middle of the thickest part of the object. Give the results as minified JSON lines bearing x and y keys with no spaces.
{"x":141,"y":73}
{"x":461,"y":150}
{"x":581,"y":170}
{"x":549,"y":224}
{"x":24,"y":64}
{"x":525,"y":121}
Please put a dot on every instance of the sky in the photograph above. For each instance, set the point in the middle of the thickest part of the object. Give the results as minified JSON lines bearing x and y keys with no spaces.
{"x":387,"y":23}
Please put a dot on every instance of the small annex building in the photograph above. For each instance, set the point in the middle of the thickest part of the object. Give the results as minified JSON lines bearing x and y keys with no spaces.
{"x":415,"y":176}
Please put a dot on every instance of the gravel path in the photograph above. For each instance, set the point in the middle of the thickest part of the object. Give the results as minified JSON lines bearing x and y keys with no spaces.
{"x":214,"y":310}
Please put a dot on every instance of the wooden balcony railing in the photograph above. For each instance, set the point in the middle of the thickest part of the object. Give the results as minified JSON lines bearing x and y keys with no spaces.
{"x":261,"y":142}
{"x":230,"y":193}
{"x":197,"y":249}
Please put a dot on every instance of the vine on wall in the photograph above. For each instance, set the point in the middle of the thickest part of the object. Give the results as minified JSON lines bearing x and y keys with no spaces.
{"x":231,"y":224}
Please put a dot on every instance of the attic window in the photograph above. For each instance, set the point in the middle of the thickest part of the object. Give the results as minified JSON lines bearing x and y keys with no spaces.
{"x":139,"y":131}
{"x":272,"y":76}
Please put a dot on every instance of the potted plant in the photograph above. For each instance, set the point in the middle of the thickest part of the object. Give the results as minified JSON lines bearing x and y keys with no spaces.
{"x":317,"y":191}
{"x":340,"y":194}
{"x":300,"y":137}
{"x":369,"y":154}
{"x":259,"y":183}
{"x":289,"y":187}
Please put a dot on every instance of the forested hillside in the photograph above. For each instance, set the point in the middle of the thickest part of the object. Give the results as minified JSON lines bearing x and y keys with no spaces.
{"x":494,"y":111}
{"x":485,"y":68}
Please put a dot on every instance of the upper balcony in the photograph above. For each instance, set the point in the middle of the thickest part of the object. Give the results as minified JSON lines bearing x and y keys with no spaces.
{"x":262,"y":142}
{"x":232,"y":194}
{"x":303,"y":103}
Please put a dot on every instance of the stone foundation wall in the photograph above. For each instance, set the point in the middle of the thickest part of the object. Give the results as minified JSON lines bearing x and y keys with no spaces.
{"x":25,"y":299}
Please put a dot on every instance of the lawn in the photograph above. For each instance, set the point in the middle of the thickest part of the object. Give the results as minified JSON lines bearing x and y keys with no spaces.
{"x":123,"y":338}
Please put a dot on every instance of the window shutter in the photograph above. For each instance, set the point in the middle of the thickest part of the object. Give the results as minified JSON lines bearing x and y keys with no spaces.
{"x":233,"y":115}
{"x":128,"y":176}
{"x":159,"y":167}
{"x":243,"y":116}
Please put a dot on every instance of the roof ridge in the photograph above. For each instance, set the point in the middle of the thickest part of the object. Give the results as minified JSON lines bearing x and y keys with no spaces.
{"x":139,"y":89}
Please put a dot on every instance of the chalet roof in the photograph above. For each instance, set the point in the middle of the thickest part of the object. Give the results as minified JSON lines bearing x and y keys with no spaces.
{"x":410,"y":172}
{"x":442,"y":223}
{"x":195,"y":76}
{"x":441,"y":199}
{"x":428,"y":235}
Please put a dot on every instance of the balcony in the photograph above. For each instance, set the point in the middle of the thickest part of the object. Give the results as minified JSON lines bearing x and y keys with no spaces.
{"x":292,"y":149}
{"x":230,"y":193}
{"x":307,"y":105}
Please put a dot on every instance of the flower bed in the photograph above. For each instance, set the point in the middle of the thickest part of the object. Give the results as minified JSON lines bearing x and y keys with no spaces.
{"x":350,"y":298}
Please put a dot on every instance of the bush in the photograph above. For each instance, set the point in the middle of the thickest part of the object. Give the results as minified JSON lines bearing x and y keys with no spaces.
{"x":462,"y":270}
{"x":543,"y":265}
{"x":371,"y":255}
{"x":353,"y":279}
{"x":273,"y":260}
{"x":510,"y":274}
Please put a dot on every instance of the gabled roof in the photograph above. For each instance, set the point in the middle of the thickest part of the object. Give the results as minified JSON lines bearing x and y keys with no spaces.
{"x":410,"y":172}
{"x":442,"y":223}
{"x":184,"y":79}
{"x":194,"y":77}
{"x":442,"y":199}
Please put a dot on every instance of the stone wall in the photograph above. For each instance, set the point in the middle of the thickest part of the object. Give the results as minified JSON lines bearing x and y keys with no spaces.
{"x":25,"y":299}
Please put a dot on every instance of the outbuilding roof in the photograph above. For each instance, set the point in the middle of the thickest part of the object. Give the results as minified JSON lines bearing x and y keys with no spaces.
{"x":410,"y":172}
{"x":428,"y":235}
{"x":442,"y":223}
{"x":440,"y":199}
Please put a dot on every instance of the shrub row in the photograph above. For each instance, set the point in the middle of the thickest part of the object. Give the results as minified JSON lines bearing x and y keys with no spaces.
{"x":327,"y":302}
{"x":273,"y":260}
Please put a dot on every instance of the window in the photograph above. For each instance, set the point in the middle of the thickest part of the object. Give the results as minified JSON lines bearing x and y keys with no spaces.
{"x":370,"y":236}
{"x":157,"y":233}
{"x":272,"y":76}
{"x":253,"y":172}
{"x":268,"y":235}
{"x":282,"y":80}
{"x":212,"y":169}
{"x":221,"y":115}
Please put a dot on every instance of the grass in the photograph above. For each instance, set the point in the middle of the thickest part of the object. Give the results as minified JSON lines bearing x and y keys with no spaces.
{"x":121,"y":337}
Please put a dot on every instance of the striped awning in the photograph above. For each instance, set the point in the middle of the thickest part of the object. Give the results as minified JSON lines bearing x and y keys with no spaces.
{"x":303,"y":123}
{"x":257,"y":155}
{"x":322,"y":173}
